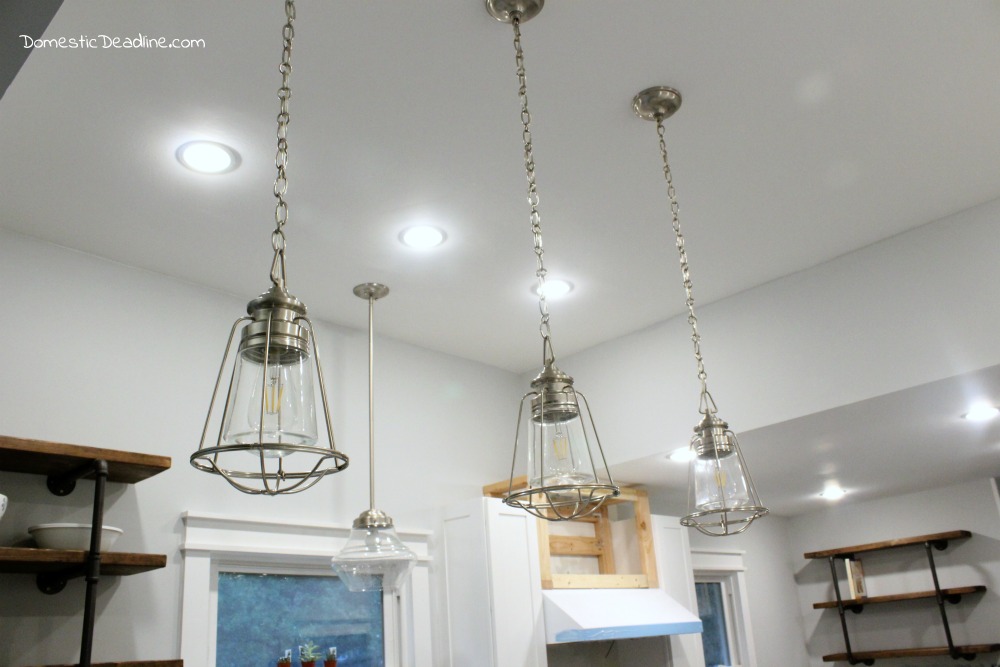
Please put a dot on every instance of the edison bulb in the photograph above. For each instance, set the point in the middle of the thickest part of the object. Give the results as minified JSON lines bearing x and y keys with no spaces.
{"x":272,"y":404}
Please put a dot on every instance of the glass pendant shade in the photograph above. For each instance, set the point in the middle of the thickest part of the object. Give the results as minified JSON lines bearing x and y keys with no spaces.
{"x":268,"y":437}
{"x":564,"y":479}
{"x":272,"y":403}
{"x":374,"y":557}
{"x":722,"y":498}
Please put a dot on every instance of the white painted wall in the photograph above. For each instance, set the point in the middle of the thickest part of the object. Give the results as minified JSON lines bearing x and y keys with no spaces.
{"x":970,"y":506}
{"x":100,"y":354}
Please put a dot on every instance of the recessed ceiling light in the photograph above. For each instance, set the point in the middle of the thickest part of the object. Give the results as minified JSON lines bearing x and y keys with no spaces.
{"x":833,"y":492}
{"x":981,"y":413}
{"x":208,"y":157}
{"x":682,"y":455}
{"x":422,"y":237}
{"x":555,"y":288}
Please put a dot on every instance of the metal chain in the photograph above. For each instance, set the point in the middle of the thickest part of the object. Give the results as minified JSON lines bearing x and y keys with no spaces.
{"x":281,"y":156}
{"x":707,"y":403}
{"x":529,"y":167}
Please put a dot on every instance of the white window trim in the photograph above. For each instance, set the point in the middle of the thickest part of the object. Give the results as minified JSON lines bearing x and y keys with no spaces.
{"x":727,"y":566}
{"x":214,"y":543}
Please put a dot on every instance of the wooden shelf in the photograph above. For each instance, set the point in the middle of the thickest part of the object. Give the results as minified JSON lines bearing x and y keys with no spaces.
{"x":879,"y":599}
{"x":913,"y":652}
{"x":131,"y":663}
{"x":54,"y":458}
{"x":890,"y":544}
{"x":116,"y":563}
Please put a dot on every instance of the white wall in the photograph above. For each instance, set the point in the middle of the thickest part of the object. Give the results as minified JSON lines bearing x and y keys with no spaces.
{"x":970,"y":506}
{"x":100,"y":354}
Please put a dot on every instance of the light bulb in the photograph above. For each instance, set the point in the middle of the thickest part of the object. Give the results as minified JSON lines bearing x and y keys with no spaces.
{"x":282,"y":393}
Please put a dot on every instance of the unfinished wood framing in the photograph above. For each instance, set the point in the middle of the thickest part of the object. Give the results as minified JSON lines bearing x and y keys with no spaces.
{"x":599,"y":546}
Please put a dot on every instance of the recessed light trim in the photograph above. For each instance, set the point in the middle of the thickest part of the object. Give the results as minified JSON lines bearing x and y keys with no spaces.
{"x":554,"y":288}
{"x":208,"y":157}
{"x":422,"y":237}
{"x":981,"y":412}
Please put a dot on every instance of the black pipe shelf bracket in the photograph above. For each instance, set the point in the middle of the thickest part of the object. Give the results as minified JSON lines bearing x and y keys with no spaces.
{"x":930,"y":543}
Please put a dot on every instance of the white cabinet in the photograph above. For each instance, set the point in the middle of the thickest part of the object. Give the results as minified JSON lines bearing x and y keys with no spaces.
{"x":494,"y":615}
{"x":493,"y":591}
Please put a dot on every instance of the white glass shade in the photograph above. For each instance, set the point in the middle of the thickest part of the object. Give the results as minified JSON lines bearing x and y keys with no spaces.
{"x":282,"y":394}
{"x":374,"y":559}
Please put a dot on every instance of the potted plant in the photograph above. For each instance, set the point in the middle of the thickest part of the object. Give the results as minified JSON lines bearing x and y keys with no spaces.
{"x":331,"y":657}
{"x":309,"y":654}
{"x":285,"y":661}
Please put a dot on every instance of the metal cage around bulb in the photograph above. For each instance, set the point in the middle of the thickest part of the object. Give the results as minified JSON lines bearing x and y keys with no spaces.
{"x":722,"y":499}
{"x":566,"y":474}
{"x":266,"y":443}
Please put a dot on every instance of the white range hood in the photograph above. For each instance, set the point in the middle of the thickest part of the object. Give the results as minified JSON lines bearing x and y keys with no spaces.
{"x":602,"y":614}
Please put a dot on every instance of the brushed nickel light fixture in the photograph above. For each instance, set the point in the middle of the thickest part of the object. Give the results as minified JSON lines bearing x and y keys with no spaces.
{"x":566,"y":476}
{"x":722,"y":499}
{"x":267,"y":441}
{"x":374,"y":557}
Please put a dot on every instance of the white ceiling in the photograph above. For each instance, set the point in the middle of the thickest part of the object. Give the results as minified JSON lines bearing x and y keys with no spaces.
{"x":808,"y":130}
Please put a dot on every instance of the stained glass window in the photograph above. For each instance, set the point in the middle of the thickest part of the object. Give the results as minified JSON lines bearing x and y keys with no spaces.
{"x":262,"y":616}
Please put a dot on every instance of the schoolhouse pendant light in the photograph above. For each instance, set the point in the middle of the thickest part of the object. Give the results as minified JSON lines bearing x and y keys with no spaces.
{"x":267,"y":439}
{"x":374,"y":558}
{"x":566,"y":476}
{"x":722,"y":499}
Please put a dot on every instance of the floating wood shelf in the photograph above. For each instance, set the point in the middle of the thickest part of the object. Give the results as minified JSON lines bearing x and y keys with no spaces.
{"x":950,"y":594}
{"x":934,"y":538}
{"x":131,"y":663}
{"x":33,"y":561}
{"x":54,"y":458}
{"x":938,"y":541}
{"x":63,"y":465}
{"x":970,"y":650}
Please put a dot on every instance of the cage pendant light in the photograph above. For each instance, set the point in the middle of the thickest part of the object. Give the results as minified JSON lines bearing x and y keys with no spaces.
{"x":566,"y":475}
{"x":267,"y":438}
{"x":722,"y":499}
{"x":374,"y":557}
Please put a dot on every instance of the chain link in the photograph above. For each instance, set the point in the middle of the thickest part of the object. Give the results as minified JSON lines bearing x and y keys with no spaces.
{"x":707,"y":403}
{"x":529,"y":167}
{"x":281,"y":155}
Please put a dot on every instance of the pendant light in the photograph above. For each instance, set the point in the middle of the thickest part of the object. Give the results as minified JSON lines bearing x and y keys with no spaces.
{"x":722,"y":499}
{"x":267,"y":441}
{"x":566,"y":476}
{"x":374,"y":558}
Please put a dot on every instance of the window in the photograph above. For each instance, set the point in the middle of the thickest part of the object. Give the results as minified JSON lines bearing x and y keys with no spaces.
{"x":262,"y":616}
{"x":720,"y":591}
{"x":714,"y":608}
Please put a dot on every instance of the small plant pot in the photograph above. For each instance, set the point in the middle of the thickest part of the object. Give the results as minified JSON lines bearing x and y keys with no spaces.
{"x":308,"y":663}
{"x":330,"y":662}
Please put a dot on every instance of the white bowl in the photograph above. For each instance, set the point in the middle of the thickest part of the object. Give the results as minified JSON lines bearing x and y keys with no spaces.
{"x":72,"y":536}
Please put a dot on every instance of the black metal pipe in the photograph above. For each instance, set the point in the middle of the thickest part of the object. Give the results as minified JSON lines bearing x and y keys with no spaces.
{"x":840,"y":610}
{"x":93,"y":563}
{"x":940,"y":601}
